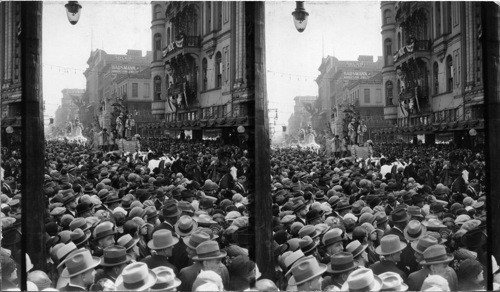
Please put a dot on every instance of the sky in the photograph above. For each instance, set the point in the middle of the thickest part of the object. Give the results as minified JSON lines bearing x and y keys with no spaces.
{"x":112,"y":26}
{"x":341,"y":29}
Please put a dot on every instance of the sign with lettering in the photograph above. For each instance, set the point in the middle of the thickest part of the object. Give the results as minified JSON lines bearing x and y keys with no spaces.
{"x":357,"y":75}
{"x":124,"y":69}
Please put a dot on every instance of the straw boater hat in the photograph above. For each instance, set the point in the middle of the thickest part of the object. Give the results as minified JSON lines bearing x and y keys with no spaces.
{"x":79,"y":263}
{"x":390,"y":244}
{"x":135,"y":277}
{"x":165,"y":279}
{"x":362,"y":279}
{"x":341,"y":262}
{"x":306,"y":270}
{"x":208,"y":250}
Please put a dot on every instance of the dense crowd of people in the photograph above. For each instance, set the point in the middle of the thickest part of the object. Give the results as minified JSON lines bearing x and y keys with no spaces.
{"x":112,"y":223}
{"x":413,"y":218}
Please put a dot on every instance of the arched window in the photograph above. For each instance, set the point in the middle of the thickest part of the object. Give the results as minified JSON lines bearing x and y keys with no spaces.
{"x":157,"y":88}
{"x":435,"y":76}
{"x":157,"y":12}
{"x":449,"y":73}
{"x":387,"y":17}
{"x":218,"y":70}
{"x":204,"y":73}
{"x":388,"y":52}
{"x":157,"y":46}
{"x":389,"y":93}
{"x":168,"y":37}
{"x":437,"y":19}
{"x":208,"y":17}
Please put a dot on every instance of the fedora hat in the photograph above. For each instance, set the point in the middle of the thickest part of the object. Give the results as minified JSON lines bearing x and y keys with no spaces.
{"x":209,"y":185}
{"x":341,"y":262}
{"x":313,"y":215}
{"x":355,"y":248}
{"x":204,"y":220}
{"x":103,"y":194}
{"x":308,"y":230}
{"x":65,"y":250}
{"x":399,"y":215}
{"x":165,"y":279}
{"x":135,"y":277}
{"x":79,"y":263}
{"x":293,"y":258}
{"x":170,"y":211}
{"x":306,"y":270}
{"x":362,"y":279}
{"x":115,"y":255}
{"x":356,"y":208}
{"x":88,"y":189}
{"x":415,"y":211}
{"x":414,"y":230}
{"x":299,"y":206}
{"x":332,"y":236}
{"x":78,"y":237}
{"x":392,"y":282}
{"x":436,"y":254}
{"x":342,"y":205}
{"x":112,"y":198}
{"x":162,"y":239}
{"x":57,"y":211}
{"x":196,"y":238}
{"x":104,"y":229}
{"x":307,"y":244}
{"x":390,"y":244}
{"x":83,"y":207}
{"x":68,"y":197}
{"x":208,"y":250}
{"x":423,"y":243}
{"x":185,"y":226}
{"x":127,"y":241}
{"x":79,"y":222}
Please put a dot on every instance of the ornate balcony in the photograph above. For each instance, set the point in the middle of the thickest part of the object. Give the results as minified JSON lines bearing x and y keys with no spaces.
{"x":184,"y":44}
{"x":416,"y":49}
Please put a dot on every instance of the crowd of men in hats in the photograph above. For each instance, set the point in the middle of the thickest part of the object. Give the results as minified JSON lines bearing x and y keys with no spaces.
{"x":114,"y":224}
{"x":412,"y":220}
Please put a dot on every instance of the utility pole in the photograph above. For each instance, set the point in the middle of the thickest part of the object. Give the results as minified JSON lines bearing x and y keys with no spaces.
{"x":263,"y":201}
{"x":490,"y":42}
{"x":33,"y":201}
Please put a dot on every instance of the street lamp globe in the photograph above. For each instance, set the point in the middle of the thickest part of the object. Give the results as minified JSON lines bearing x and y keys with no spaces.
{"x":300,"y":16}
{"x":73,"y":11}
{"x":473,"y":132}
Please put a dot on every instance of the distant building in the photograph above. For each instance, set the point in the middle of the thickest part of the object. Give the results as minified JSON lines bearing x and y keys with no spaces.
{"x":199,"y":71}
{"x":68,"y":110}
{"x":103,"y":69}
{"x":300,"y":117}
{"x":334,"y":78}
{"x":432,"y":75}
{"x":10,"y":72}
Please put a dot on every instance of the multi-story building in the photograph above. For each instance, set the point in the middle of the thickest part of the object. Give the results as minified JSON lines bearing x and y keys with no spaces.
{"x":199,"y":71}
{"x":132,"y":94}
{"x":10,"y":72}
{"x":103,"y":69}
{"x":432,"y":74}
{"x":68,"y":110}
{"x":301,"y":116}
{"x":334,"y":77}
{"x":363,"y":98}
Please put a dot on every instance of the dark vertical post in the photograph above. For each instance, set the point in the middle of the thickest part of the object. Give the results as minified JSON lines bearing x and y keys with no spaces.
{"x":33,"y":203}
{"x":263,"y":202}
{"x":490,"y":15}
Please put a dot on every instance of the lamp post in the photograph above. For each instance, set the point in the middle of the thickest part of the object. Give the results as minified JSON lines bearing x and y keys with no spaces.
{"x":136,"y":113}
{"x":73,"y":11}
{"x":300,"y":16}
